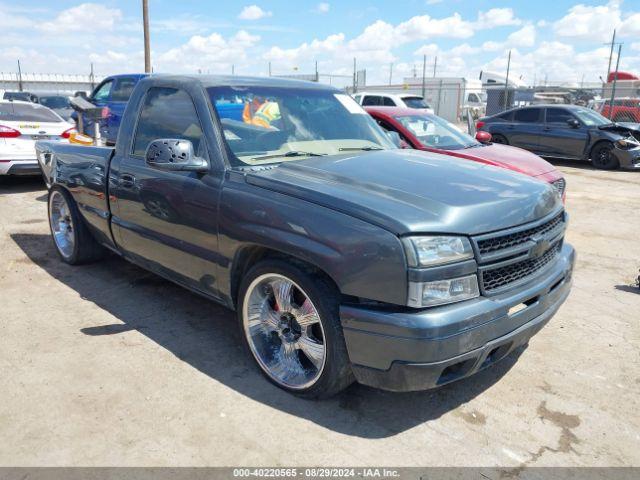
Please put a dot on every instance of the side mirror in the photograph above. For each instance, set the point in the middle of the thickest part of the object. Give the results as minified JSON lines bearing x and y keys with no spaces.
{"x":573,"y":123}
{"x":174,"y":155}
{"x":395,"y":138}
{"x":483,"y":137}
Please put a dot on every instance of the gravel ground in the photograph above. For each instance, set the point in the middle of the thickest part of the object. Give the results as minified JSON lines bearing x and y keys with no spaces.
{"x":107,"y":364}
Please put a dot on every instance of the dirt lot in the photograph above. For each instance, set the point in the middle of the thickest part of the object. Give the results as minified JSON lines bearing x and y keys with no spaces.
{"x":109,"y":365}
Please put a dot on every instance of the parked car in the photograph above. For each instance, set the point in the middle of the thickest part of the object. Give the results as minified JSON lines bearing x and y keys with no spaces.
{"x":407,"y":100}
{"x":424,"y":131}
{"x":623,"y":110}
{"x":113,"y":92}
{"x":345,"y":257}
{"x":21,"y":124}
{"x":566,"y":131}
{"x":22,"y":96}
{"x":59,"y":103}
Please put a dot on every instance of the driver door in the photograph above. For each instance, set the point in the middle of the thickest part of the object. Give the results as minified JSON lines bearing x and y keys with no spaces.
{"x":168,"y":220}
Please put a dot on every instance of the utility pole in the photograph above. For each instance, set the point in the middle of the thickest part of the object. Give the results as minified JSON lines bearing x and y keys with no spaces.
{"x":92,"y":78}
{"x":435,"y":65}
{"x":317,"y":74}
{"x":19,"y":77}
{"x":269,"y":68}
{"x":424,"y":71}
{"x":147,"y":48}
{"x":615,"y":81}
{"x":233,"y":69}
{"x":613,"y":42}
{"x":355,"y":87}
{"x":506,"y":82}
{"x":390,"y":72}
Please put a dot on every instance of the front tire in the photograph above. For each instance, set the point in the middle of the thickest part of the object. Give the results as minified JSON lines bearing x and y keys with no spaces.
{"x":500,"y":139}
{"x":71,"y":237}
{"x":290,"y":323}
{"x":602,"y":156}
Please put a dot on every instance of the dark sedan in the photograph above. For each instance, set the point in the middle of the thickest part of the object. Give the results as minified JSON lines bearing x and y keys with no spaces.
{"x":566,"y":131}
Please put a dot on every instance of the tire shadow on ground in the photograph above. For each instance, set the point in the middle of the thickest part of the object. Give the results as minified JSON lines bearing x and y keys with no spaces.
{"x":206,"y":336}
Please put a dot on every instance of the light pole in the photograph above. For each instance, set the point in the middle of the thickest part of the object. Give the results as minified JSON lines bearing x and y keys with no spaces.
{"x":147,"y":49}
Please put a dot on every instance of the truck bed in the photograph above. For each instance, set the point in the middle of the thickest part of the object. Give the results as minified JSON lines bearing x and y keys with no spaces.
{"x":83,"y":172}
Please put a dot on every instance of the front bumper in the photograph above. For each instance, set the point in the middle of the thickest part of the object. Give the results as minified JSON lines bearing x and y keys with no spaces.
{"x":405,"y":351}
{"x":19,"y":167}
{"x":628,"y":158}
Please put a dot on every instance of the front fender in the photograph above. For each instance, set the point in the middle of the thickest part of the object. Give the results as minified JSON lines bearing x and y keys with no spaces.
{"x":362,"y":259}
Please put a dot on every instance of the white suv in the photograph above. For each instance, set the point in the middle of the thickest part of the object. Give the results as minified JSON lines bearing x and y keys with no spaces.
{"x":379,"y":99}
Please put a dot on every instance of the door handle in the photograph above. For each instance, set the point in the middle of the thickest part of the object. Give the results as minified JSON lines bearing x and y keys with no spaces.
{"x":127,"y":181}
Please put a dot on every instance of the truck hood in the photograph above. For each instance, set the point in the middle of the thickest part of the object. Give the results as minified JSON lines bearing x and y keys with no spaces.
{"x":408,"y":191}
{"x":509,"y":157}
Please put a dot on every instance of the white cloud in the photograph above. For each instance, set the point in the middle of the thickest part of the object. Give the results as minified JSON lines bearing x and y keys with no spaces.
{"x":434,"y":2}
{"x":322,"y":7}
{"x":253,"y":12}
{"x":86,"y":17}
{"x":212,"y":52}
{"x":496,"y":17}
{"x":589,"y":23}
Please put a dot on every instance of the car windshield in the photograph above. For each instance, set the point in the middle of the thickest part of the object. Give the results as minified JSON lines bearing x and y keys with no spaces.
{"x":56,"y":101}
{"x":273,"y":124}
{"x":436,"y":132}
{"x":415,"y":102}
{"x":590,"y":117}
{"x":26,"y":112}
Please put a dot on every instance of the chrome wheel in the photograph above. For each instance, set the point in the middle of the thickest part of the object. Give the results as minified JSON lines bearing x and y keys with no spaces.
{"x":284,"y":331}
{"x":61,"y":224}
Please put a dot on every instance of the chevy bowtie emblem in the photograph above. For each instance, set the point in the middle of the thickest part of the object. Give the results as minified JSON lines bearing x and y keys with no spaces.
{"x":540,"y":247}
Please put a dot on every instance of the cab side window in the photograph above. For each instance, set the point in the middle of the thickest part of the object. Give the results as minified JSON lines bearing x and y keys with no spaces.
{"x":388,"y":102}
{"x":122,"y":89}
{"x":102,"y":93}
{"x":167,"y":113}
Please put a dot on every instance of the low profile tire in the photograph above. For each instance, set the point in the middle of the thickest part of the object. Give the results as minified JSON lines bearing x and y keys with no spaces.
{"x":290,"y":323}
{"x":501,"y":139}
{"x":602,"y":156}
{"x":71,"y":237}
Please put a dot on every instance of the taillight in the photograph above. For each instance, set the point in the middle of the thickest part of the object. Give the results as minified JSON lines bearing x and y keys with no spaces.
{"x":67,"y":133}
{"x":479,"y":125}
{"x":8,"y":132}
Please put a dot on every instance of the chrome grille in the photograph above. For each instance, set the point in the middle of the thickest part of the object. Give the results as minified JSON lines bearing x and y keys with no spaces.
{"x":559,"y":185}
{"x":497,"y":278}
{"x":502,"y":242}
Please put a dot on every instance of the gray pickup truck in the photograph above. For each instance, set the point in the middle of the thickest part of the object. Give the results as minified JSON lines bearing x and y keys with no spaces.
{"x":345,"y":257}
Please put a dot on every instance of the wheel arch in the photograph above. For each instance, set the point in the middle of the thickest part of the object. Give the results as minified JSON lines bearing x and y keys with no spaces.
{"x":252,"y":254}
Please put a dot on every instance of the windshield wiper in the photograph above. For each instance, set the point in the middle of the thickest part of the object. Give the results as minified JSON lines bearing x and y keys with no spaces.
{"x":293,"y":153}
{"x":366,"y":149}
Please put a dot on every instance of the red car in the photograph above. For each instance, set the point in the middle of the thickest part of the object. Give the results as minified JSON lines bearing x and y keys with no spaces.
{"x":428,"y":132}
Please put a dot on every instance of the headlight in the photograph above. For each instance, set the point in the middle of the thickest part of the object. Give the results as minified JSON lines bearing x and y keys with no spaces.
{"x":626,"y":143}
{"x":436,"y":250}
{"x":429,"y":294}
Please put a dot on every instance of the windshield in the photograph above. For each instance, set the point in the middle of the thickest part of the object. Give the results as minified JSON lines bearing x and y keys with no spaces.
{"x":415,"y":102}
{"x":273,"y":124}
{"x":590,"y":117}
{"x":55,"y":102}
{"x":436,"y":132}
{"x":26,"y":112}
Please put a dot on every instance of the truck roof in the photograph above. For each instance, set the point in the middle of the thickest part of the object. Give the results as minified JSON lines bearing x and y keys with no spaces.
{"x":235,"y":80}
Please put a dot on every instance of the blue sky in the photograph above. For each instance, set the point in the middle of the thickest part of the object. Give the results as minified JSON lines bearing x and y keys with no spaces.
{"x":560,"y":40}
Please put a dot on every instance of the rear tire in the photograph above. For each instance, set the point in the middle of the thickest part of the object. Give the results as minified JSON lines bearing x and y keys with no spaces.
{"x":71,"y":237}
{"x":500,"y":139}
{"x":290,"y":323}
{"x":602,"y":156}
